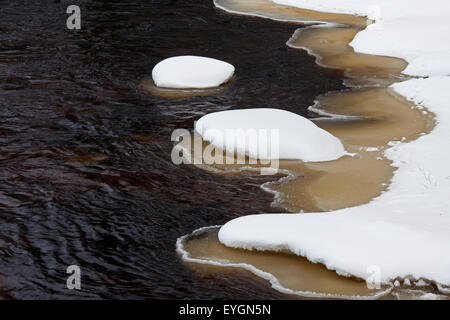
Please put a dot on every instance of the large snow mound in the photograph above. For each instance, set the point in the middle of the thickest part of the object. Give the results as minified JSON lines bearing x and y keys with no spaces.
{"x":191,"y":72}
{"x":279,"y":134}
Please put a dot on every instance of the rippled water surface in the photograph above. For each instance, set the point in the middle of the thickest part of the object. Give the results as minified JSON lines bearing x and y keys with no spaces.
{"x":85,"y":156}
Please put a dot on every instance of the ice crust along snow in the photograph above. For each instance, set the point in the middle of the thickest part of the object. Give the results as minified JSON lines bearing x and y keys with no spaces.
{"x":296,"y":137}
{"x":405,"y":232}
{"x":191,"y":72}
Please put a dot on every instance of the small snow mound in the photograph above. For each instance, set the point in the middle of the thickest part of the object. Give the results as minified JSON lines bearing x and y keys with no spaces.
{"x":269,"y":134}
{"x":191,"y":72}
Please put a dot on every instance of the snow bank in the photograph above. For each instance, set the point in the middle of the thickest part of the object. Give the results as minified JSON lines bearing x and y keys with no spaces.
{"x":415,"y":30}
{"x":189,"y":72}
{"x":405,"y":231}
{"x":269,"y":134}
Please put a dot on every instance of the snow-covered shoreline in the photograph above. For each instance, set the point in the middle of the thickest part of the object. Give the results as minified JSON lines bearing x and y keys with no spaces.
{"x":413,"y":30}
{"x":405,"y":232}
{"x":186,"y":256}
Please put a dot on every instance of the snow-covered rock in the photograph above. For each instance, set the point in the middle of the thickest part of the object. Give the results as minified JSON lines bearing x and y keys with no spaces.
{"x":191,"y":72}
{"x":269,"y":134}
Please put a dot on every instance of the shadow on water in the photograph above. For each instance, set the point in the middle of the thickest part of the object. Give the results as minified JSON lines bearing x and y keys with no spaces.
{"x":85,"y":156}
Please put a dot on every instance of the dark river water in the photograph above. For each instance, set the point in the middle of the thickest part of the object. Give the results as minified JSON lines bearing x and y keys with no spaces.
{"x":85,"y":169}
